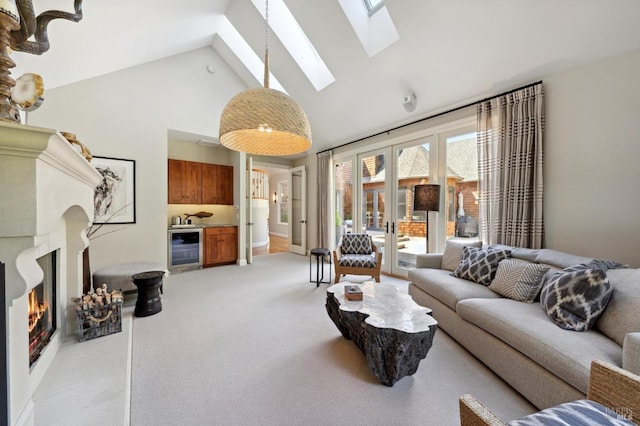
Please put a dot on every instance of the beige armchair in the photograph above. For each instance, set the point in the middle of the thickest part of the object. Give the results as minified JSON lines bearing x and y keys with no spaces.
{"x":357,"y":255}
{"x":616,"y":389}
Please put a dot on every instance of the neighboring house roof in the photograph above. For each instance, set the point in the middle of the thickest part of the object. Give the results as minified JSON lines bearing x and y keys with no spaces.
{"x":413,"y":162}
{"x":462,"y":159}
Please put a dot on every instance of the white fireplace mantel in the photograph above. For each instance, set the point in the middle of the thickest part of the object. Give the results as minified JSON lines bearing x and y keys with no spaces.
{"x":42,"y":177}
{"x":46,"y":204}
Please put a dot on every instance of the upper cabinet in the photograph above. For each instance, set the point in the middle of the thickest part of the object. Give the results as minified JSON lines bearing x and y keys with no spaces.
{"x":217,"y":184}
{"x":184,"y":182}
{"x":199,"y":183}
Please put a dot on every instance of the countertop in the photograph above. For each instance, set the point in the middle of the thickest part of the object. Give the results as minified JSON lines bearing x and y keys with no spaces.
{"x":200,"y":226}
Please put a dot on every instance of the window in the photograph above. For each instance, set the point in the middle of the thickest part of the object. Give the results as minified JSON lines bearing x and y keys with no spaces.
{"x":373,"y":6}
{"x":283,"y":202}
{"x":402,"y":203}
{"x":417,"y":216}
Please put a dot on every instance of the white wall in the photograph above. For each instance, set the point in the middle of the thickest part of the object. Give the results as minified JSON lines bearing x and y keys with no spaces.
{"x":592,"y":159}
{"x":126,"y":115}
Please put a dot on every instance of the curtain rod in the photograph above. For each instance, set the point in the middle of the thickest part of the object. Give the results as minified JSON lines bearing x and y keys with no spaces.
{"x":526,"y":86}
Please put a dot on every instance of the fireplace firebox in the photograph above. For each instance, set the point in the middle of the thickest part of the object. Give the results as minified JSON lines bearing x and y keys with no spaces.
{"x":42,"y":308}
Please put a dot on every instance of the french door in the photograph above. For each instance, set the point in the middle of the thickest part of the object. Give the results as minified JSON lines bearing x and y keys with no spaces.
{"x":298,"y":210}
{"x":387,"y":178}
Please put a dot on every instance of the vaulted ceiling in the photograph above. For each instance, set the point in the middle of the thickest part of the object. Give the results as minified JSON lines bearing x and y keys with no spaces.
{"x":449,"y":52}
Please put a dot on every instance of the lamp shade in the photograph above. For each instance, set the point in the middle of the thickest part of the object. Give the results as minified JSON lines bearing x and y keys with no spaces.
{"x":264,"y":121}
{"x":426,"y":198}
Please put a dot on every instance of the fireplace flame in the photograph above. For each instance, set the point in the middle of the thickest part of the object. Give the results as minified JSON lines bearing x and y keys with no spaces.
{"x":37,"y":310}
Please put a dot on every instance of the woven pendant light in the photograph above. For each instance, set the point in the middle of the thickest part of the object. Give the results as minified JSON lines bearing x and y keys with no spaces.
{"x":264,"y":121}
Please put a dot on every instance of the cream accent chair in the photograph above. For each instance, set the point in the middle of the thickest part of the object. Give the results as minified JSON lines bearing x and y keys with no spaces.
{"x":618,"y":390}
{"x":357,"y":255}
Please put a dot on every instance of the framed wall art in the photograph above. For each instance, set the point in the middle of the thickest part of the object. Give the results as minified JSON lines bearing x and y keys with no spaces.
{"x":115,"y":197}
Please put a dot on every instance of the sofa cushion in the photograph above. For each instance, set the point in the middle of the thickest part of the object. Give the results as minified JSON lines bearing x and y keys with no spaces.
{"x":518,"y":280}
{"x":526,"y":328}
{"x":453,"y":253}
{"x":575,"y":297}
{"x":560,"y":259}
{"x":358,"y":260}
{"x":447,"y":288}
{"x":479,"y":265}
{"x":621,"y":315}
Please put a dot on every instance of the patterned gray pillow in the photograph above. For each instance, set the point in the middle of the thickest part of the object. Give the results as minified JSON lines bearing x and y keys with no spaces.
{"x":479,"y":265}
{"x":518,"y":280}
{"x":575,"y":297}
{"x":356,"y":244}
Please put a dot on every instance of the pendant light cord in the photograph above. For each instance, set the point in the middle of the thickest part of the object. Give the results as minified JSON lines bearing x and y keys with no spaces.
{"x":266,"y":45}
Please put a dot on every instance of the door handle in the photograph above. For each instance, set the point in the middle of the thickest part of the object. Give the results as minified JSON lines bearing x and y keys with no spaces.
{"x":393,"y":227}
{"x":387,"y":228}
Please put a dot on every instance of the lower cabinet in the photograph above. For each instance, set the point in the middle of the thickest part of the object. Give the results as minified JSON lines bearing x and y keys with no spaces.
{"x":220,"y":245}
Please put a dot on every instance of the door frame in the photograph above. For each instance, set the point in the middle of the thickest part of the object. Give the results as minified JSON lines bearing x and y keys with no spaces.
{"x":301,"y":222}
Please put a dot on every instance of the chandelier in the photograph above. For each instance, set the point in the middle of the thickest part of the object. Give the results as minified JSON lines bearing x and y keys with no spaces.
{"x":265,"y":121}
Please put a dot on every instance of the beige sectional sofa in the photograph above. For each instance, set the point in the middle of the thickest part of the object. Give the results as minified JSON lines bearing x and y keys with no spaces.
{"x":547,"y":364}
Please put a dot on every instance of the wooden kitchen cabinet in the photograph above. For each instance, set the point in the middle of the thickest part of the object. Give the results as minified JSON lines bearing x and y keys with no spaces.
{"x":185,"y":179}
{"x":199,"y":183}
{"x":217,"y":184}
{"x":220,"y":245}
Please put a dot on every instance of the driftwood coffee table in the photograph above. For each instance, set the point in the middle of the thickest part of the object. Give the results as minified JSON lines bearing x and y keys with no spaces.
{"x":393,"y":331}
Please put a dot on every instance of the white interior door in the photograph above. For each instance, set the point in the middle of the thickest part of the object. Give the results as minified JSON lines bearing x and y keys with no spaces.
{"x":298,"y":210}
{"x":249,"y":212}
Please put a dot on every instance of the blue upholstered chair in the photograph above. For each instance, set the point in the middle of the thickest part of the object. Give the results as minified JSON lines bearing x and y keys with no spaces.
{"x":357,"y":255}
{"x":613,"y":398}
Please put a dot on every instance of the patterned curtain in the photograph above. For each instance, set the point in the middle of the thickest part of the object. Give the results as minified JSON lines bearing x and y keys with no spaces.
{"x":324,"y":198}
{"x":510,"y":157}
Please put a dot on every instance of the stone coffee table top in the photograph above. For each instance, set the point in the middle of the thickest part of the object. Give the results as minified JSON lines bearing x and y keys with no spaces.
{"x":393,"y":331}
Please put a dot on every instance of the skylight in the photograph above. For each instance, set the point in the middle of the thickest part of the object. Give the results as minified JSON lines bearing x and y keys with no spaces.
{"x":373,"y":6}
{"x":374,"y":28}
{"x":232,"y":38}
{"x":285,"y":26}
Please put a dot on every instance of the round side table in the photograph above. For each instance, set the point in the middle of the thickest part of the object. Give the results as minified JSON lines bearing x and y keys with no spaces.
{"x":319,"y":254}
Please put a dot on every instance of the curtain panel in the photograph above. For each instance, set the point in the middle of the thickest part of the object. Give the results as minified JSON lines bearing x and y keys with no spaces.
{"x":510,"y":159}
{"x":324,"y":199}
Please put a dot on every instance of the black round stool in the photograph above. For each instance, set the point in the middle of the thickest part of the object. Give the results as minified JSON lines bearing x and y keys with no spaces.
{"x":148,"y":284}
{"x":319,"y":254}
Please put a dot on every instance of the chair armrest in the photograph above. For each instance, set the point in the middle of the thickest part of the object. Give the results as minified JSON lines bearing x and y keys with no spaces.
{"x":475,"y":413}
{"x":337,"y":254}
{"x":631,"y":352}
{"x":429,"y":260}
{"x":615,"y":388}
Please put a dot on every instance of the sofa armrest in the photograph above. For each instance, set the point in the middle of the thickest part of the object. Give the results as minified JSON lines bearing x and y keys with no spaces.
{"x":615,"y":388}
{"x":631,"y":352}
{"x":429,"y":260}
{"x":475,"y":413}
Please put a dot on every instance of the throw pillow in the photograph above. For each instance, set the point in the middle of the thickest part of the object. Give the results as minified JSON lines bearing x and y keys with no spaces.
{"x":518,"y":280}
{"x":453,"y":253}
{"x":575,"y":297}
{"x":479,"y":265}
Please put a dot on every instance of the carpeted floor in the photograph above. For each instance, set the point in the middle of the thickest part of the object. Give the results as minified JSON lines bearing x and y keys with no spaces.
{"x":253,"y":345}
